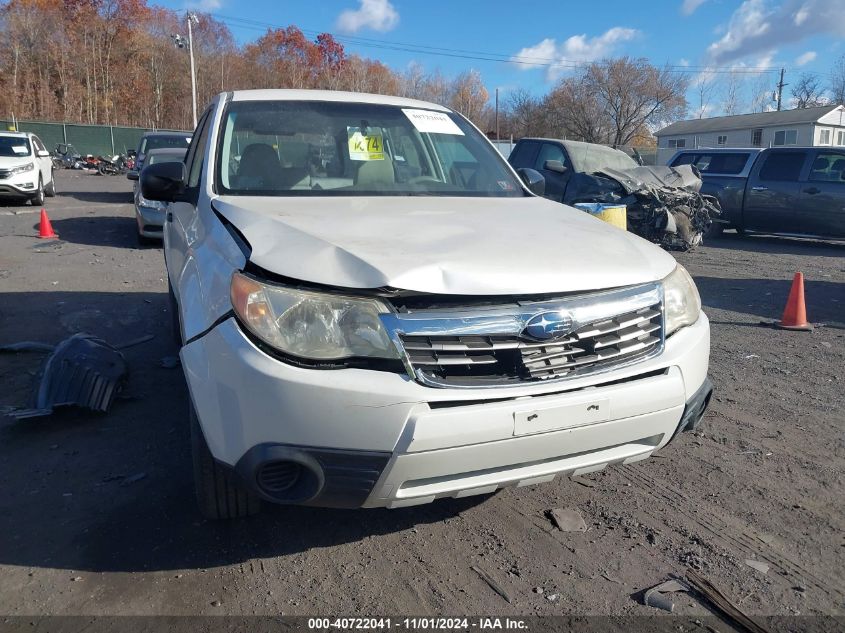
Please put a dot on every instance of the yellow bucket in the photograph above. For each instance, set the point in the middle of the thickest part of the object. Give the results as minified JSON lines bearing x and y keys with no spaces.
{"x":615,"y":214}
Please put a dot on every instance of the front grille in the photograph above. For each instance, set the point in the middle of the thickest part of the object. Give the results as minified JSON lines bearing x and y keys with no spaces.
{"x":598,"y":343}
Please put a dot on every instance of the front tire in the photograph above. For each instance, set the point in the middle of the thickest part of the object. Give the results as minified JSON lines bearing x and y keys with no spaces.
{"x":219,"y":494}
{"x":50,"y":190}
{"x":38,"y":199}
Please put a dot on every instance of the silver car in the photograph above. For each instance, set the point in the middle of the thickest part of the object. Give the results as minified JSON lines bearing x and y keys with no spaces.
{"x":149,"y":214}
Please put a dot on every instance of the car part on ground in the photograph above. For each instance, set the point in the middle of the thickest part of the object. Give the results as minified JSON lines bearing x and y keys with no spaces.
{"x":82,"y":371}
{"x":664,"y":204}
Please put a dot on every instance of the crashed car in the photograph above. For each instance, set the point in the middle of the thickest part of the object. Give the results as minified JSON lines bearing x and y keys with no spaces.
{"x":664,"y":204}
{"x":375,"y":310}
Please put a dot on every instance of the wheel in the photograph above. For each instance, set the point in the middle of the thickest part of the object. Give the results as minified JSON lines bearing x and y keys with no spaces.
{"x":219,"y":495}
{"x":50,"y":190}
{"x":38,"y":199}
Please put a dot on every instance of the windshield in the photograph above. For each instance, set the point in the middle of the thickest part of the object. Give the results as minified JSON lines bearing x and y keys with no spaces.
{"x":157,"y":142}
{"x":307,"y":148}
{"x":15,"y":146}
{"x":166,"y":157}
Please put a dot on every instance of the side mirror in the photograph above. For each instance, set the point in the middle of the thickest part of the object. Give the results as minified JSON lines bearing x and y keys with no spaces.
{"x":42,"y":153}
{"x":132,"y":174}
{"x":163,"y":181}
{"x":533,"y":180}
{"x":555,"y":166}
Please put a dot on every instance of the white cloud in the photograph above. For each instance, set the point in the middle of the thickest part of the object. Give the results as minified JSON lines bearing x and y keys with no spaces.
{"x":805,"y":58}
{"x":205,"y":5}
{"x":689,"y":6}
{"x":684,"y":61}
{"x":378,"y":15}
{"x":757,"y":26}
{"x":557,"y":58}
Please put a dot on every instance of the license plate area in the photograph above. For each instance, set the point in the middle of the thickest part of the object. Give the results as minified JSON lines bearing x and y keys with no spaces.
{"x":583,"y":411}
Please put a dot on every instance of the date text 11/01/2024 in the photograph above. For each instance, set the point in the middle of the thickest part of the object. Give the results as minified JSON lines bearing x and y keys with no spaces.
{"x":417,"y":624}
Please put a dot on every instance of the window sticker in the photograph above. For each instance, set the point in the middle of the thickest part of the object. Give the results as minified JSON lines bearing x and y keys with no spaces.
{"x":364,"y":146}
{"x":20,"y":149}
{"x":432,"y":122}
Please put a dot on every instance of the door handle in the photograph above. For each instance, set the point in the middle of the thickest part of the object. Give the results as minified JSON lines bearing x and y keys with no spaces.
{"x":170,"y":216}
{"x":812,"y":190}
{"x":759,"y":188}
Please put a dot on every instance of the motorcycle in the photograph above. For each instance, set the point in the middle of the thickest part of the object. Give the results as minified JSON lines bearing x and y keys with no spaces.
{"x":65,"y":156}
{"x":112,"y":165}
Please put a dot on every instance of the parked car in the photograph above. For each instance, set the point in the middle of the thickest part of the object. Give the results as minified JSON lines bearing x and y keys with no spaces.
{"x":26,"y":168}
{"x":157,"y":140}
{"x":663,"y":204}
{"x":783,"y":191}
{"x":149,"y":214}
{"x":375,"y":310}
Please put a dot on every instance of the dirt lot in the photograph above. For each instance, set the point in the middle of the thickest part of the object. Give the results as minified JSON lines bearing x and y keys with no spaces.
{"x":97,"y":514}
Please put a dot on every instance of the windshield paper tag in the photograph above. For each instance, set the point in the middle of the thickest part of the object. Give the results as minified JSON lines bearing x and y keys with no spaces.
{"x":364,"y":147}
{"x":432,"y":122}
{"x":20,"y":149}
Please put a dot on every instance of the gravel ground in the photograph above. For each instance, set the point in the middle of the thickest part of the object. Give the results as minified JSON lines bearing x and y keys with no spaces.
{"x":97,"y":514}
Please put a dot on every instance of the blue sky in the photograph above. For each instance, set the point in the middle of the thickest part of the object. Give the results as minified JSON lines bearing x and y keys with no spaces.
{"x":800,"y":35}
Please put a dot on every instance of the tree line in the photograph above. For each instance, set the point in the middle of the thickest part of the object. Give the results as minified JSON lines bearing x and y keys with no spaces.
{"x":115,"y":62}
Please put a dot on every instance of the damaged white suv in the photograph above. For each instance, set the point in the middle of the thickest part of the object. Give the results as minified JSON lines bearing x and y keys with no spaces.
{"x":376,"y":310}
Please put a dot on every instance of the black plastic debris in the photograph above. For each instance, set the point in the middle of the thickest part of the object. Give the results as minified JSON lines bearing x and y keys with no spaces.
{"x":82,"y":371}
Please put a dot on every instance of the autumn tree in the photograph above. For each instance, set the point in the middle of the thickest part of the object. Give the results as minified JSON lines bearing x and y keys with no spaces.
{"x":468,"y":95}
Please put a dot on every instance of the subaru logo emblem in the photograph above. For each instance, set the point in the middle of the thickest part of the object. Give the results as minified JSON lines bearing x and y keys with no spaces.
{"x":548,"y":325}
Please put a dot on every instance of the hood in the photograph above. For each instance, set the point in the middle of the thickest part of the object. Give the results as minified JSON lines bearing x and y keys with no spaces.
{"x":463,"y":246}
{"x":7,"y":162}
{"x":638,"y":178}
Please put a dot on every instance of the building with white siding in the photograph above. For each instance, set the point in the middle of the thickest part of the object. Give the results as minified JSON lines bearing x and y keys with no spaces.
{"x":824,"y":125}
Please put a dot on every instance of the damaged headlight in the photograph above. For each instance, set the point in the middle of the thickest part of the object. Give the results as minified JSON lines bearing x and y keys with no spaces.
{"x":681,"y":300}
{"x":311,"y":325}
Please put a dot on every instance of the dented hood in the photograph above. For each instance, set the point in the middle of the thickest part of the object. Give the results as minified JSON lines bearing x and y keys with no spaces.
{"x":466,"y":246}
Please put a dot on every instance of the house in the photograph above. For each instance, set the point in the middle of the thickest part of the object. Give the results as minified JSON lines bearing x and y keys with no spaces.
{"x":823,"y":125}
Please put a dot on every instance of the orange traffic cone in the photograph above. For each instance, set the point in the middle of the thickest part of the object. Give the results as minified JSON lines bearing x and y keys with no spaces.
{"x":45,"y":229}
{"x":795,"y":314}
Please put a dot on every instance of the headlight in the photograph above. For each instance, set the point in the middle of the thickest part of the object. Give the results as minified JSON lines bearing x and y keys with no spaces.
{"x":152,"y":204}
{"x":311,"y":325}
{"x":20,"y":169}
{"x":681,"y":300}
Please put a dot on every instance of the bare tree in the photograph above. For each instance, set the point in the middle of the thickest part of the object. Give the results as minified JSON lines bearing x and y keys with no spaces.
{"x":523,"y":113}
{"x":705,"y":89}
{"x":635,"y":94}
{"x":808,"y":92}
{"x":837,"y":80}
{"x":761,"y":94}
{"x":731,"y":93}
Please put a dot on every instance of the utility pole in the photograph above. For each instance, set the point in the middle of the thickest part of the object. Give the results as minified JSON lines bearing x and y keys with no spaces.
{"x":192,"y":18}
{"x":497,"y":116}
{"x":780,"y":88}
{"x":179,"y":41}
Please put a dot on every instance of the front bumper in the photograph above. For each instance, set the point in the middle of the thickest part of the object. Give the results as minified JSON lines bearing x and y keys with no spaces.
{"x":20,"y":185}
{"x":412,"y":444}
{"x":150,"y":221}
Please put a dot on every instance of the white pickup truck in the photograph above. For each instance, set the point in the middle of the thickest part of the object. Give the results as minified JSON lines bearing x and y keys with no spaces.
{"x":375,"y":310}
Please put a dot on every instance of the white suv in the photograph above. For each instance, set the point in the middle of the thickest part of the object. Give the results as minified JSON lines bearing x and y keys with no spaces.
{"x":26,"y":168}
{"x":376,"y":310}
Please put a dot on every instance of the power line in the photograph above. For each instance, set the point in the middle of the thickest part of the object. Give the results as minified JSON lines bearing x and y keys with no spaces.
{"x":421,"y":49}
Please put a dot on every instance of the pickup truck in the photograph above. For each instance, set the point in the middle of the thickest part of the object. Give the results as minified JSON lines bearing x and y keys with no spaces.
{"x":663,"y":204}
{"x":784,"y":191}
